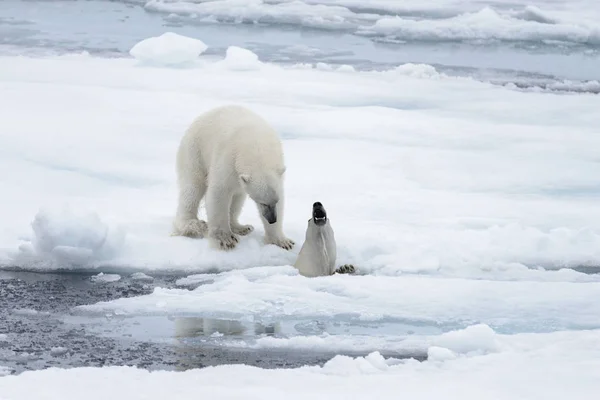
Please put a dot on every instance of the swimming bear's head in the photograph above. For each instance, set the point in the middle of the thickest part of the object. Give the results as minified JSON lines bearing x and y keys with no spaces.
{"x":319,"y":214}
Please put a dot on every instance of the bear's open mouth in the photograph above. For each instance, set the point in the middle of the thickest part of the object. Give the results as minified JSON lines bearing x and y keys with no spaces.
{"x":319,"y":214}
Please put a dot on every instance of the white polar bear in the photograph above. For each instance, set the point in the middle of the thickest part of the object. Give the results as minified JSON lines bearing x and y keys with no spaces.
{"x":226,"y":154}
{"x":319,"y":251}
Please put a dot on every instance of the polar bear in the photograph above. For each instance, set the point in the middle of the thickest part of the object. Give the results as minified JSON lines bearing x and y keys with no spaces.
{"x":318,"y":253}
{"x":227,"y":154}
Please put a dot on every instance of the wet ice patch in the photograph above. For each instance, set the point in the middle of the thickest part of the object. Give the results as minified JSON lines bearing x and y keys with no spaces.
{"x":267,"y":294}
{"x":168,"y":49}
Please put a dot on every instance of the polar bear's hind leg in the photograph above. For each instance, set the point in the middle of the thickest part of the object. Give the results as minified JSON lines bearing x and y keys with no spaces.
{"x":186,"y":220}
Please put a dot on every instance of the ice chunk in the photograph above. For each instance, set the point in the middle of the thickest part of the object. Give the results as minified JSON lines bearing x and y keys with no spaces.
{"x":475,"y":338}
{"x":58,"y":351}
{"x":140,"y":276}
{"x":3,"y":337}
{"x":346,"y":68}
{"x":240,"y":59}
{"x":70,"y":238}
{"x":29,"y":312}
{"x":105,"y":278}
{"x":435,"y":353}
{"x":168,"y":49}
{"x":422,"y":71}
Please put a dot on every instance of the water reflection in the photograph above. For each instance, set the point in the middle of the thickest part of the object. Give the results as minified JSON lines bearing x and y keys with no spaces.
{"x":190,"y":327}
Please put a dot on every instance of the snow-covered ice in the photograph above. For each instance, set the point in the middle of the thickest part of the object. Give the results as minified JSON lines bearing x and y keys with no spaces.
{"x":421,"y":173}
{"x":168,"y":49}
{"x":551,"y":366}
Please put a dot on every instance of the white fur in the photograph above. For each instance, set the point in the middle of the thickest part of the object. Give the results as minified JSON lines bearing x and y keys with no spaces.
{"x":227,"y":154}
{"x":318,"y":253}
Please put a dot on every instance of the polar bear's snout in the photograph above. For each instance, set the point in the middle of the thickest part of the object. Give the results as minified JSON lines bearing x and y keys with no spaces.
{"x":269,"y":211}
{"x":319,"y":214}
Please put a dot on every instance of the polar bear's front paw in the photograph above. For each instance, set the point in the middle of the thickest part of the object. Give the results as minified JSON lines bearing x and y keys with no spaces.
{"x":193,"y":228}
{"x":224,"y":240}
{"x":241,"y":230}
{"x":282,"y":242}
{"x":346,"y":269}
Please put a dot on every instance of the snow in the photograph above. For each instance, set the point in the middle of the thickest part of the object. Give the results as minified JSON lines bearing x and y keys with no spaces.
{"x":551,"y":366}
{"x":168,"y":49}
{"x":453,"y":179}
{"x":3,"y":337}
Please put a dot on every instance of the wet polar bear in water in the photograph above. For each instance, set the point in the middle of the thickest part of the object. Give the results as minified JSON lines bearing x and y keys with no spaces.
{"x":227,"y":154}
{"x":318,"y":253}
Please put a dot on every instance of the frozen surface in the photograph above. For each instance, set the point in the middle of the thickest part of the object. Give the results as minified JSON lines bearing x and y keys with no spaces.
{"x":429,"y":174}
{"x":168,"y":49}
{"x":553,"y":366}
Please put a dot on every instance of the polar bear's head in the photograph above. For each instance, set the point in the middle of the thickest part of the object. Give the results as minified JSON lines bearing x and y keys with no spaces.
{"x":265,"y":189}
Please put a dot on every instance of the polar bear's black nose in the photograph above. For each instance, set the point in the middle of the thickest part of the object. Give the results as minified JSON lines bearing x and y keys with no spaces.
{"x":317,"y":204}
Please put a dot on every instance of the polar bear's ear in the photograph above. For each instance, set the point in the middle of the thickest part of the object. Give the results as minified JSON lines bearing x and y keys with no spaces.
{"x":281,"y":170}
{"x":245,"y":178}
